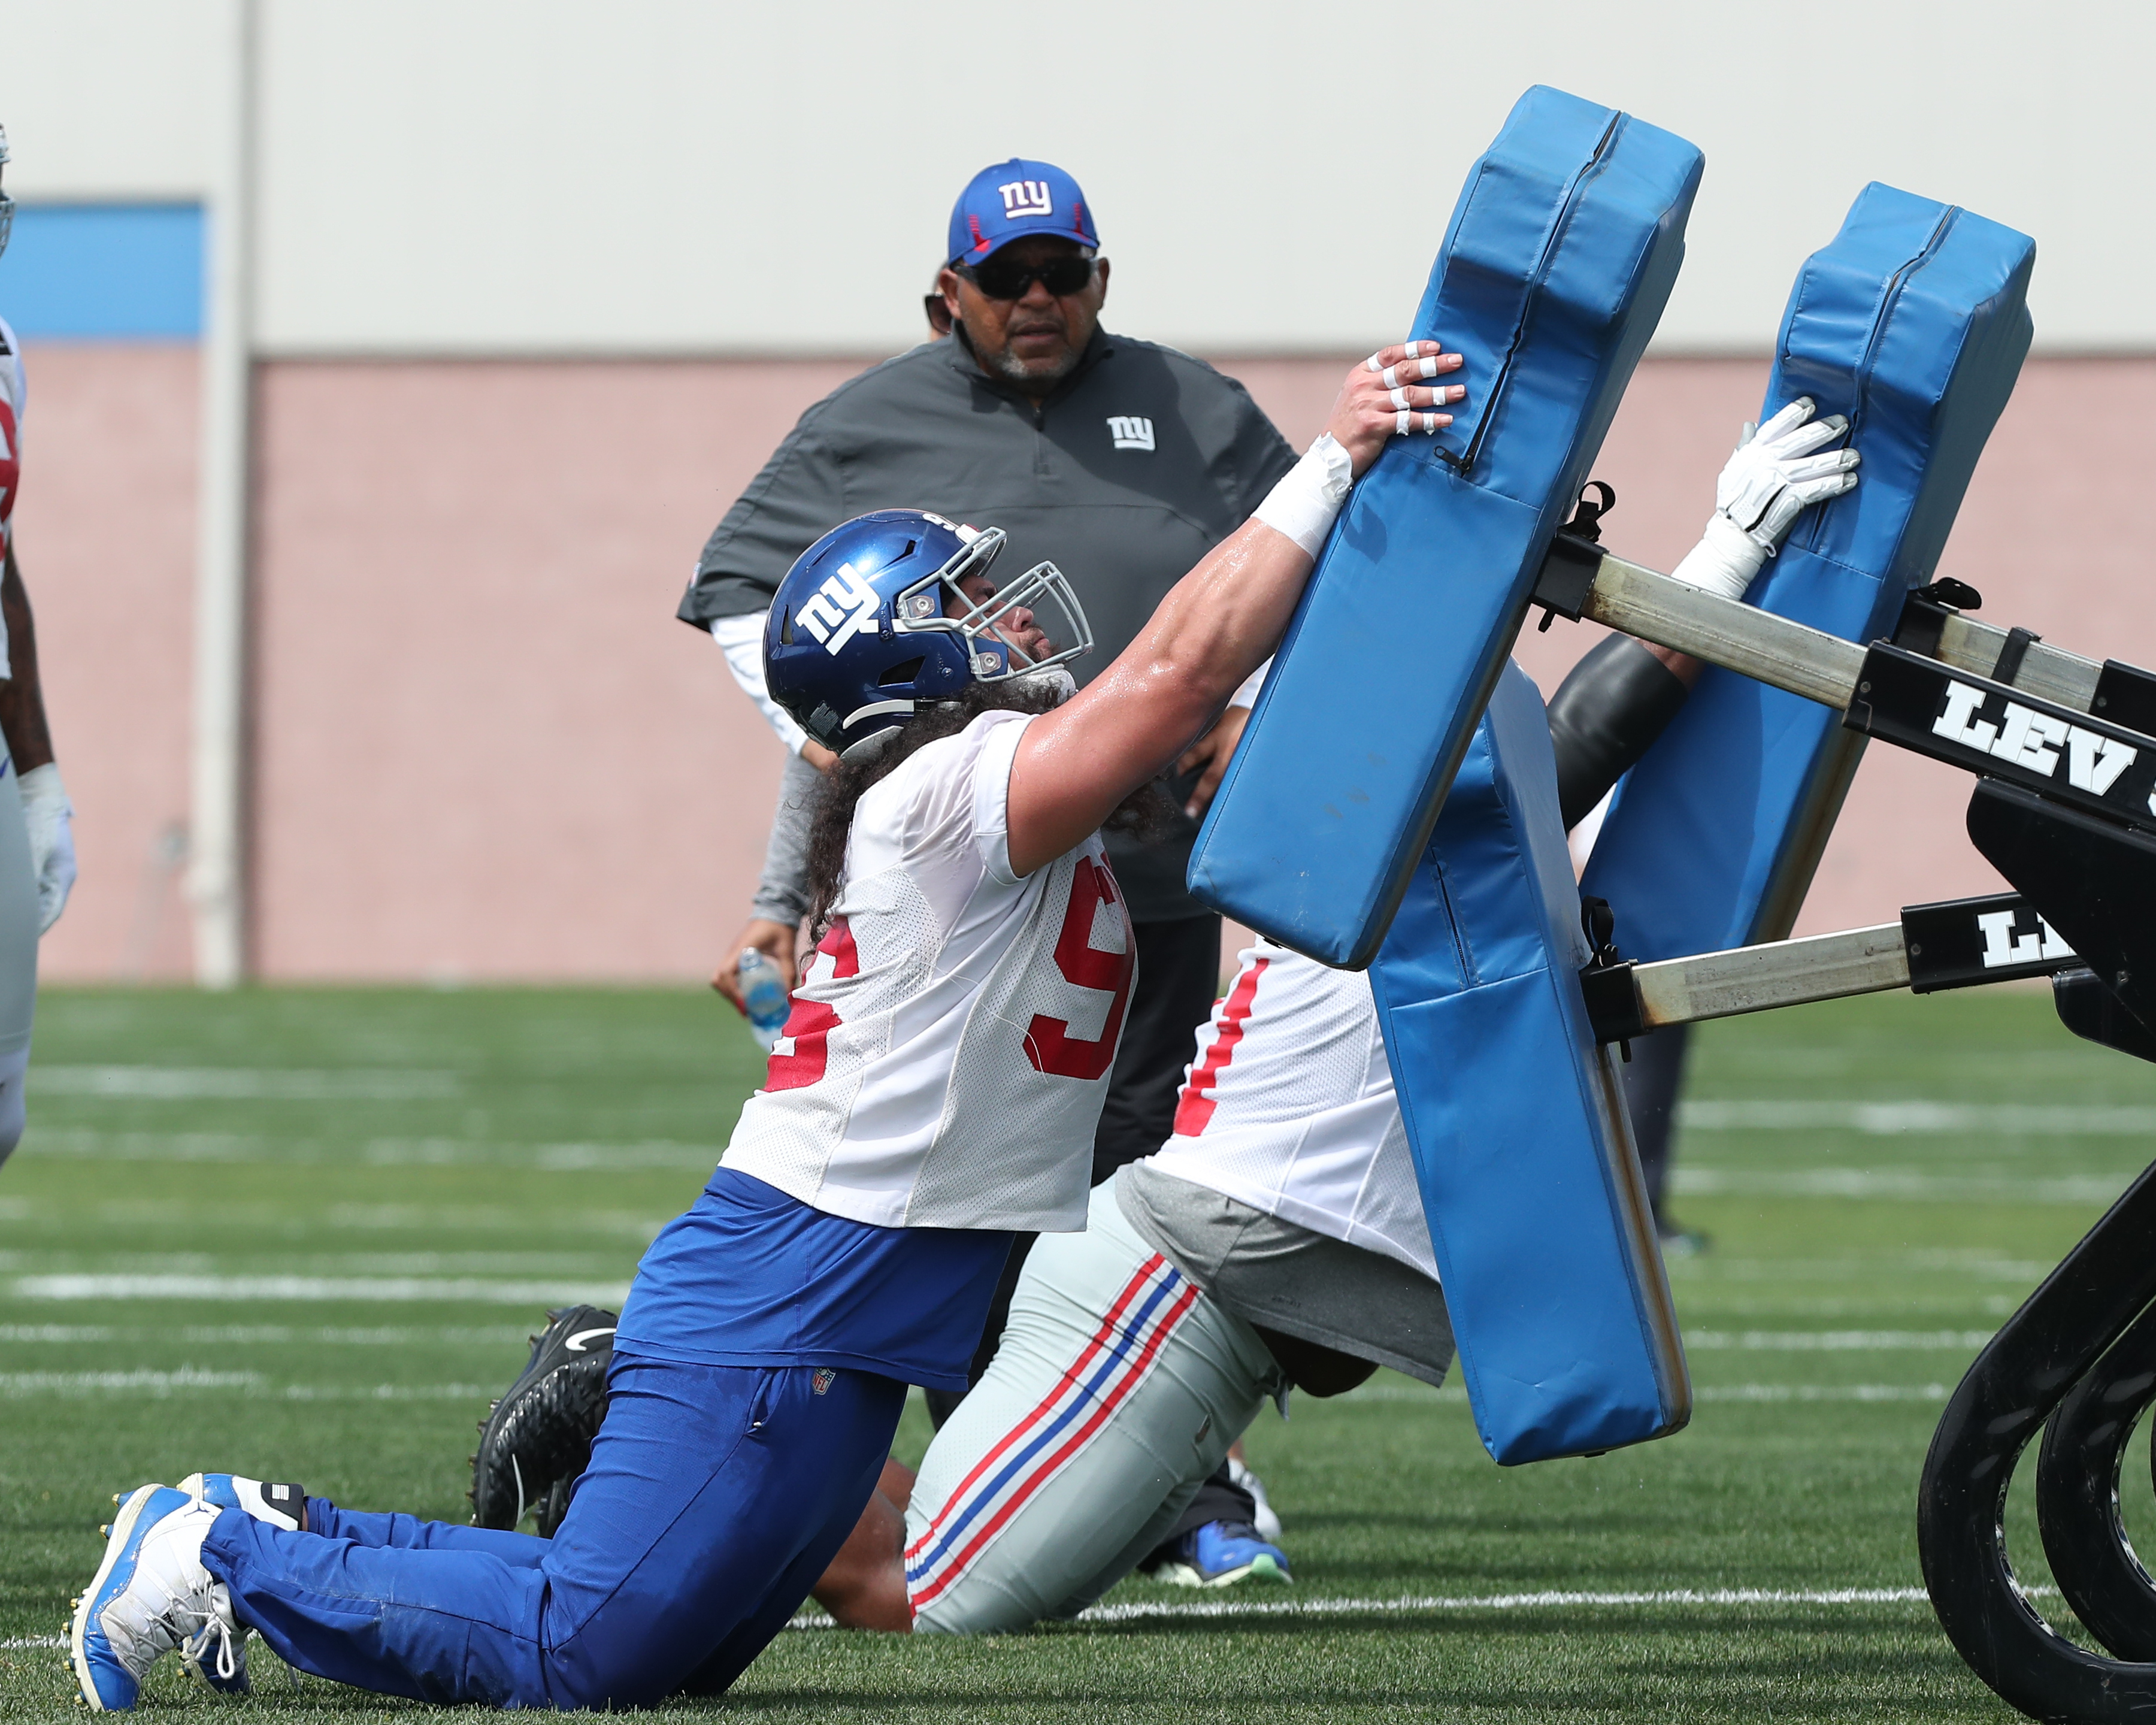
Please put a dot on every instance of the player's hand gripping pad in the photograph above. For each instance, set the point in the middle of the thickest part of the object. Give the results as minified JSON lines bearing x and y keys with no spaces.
{"x":1912,"y":323}
{"x":1553,"y":273}
{"x":1544,"y":1236}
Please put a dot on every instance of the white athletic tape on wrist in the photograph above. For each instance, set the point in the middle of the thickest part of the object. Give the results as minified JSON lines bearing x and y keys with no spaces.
{"x":1302,"y":506}
{"x":1724,"y":560}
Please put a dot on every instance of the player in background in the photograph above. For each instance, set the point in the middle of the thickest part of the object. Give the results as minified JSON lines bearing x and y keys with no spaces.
{"x":37,"y":845}
{"x":936,"y":1090}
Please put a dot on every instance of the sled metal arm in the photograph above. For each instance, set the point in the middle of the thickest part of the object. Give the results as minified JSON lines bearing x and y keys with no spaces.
{"x":1580,"y":579}
{"x":1955,"y":944}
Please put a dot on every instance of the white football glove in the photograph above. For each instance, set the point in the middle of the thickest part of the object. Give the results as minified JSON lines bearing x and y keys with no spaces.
{"x":47,"y":813}
{"x":1774,"y":476}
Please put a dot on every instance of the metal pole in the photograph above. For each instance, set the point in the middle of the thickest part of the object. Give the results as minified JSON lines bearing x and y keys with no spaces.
{"x":218,"y":836}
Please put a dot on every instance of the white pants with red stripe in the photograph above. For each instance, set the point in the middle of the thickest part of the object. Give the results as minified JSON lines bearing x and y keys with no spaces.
{"x":1116,"y":1389}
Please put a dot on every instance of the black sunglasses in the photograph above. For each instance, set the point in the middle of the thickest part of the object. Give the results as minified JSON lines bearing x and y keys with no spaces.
{"x":1007,"y":279}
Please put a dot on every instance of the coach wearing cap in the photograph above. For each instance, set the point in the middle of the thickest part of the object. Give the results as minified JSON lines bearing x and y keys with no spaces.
{"x":1123,"y":461}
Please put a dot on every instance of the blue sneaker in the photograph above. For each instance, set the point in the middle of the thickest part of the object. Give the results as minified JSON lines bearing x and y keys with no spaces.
{"x":149,"y":1593}
{"x":1220,"y":1554}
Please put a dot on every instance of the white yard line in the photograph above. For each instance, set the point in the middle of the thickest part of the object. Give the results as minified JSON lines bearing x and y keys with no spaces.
{"x":471,"y":1289}
{"x":1835,"y":1341}
{"x":1898,"y":1183}
{"x":15,"y":1386}
{"x":144,"y":1381}
{"x":1992,"y":1119}
{"x":248,"y":1084}
{"x":1452,"y":1392}
{"x":242,"y":1149}
{"x":1289,"y":1606}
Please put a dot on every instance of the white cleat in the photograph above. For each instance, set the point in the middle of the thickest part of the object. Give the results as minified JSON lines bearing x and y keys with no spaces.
{"x":150,"y":1595}
{"x":216,"y":1654}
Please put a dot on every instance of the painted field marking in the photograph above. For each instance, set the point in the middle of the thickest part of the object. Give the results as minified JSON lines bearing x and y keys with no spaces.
{"x":144,"y":1381}
{"x":243,"y":1084}
{"x":1720,"y":1596}
{"x":1835,"y":1341}
{"x":1993,"y":1119}
{"x":1899,"y":1182}
{"x":244,"y":1149}
{"x":469,"y":1289}
{"x":1700,"y":1393}
{"x":15,"y":1386}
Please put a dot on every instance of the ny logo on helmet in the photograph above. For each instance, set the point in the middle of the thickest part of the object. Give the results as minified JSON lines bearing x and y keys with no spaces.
{"x":1027,"y":197}
{"x":840,"y":609}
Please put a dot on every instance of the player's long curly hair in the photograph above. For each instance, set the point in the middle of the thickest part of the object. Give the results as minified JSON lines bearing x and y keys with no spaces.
{"x":1147,"y":812}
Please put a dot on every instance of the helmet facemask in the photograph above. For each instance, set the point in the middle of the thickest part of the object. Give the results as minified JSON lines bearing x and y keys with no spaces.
{"x":1043,"y":589}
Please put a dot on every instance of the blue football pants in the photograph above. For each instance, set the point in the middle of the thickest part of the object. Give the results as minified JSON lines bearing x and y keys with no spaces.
{"x":716,"y":1497}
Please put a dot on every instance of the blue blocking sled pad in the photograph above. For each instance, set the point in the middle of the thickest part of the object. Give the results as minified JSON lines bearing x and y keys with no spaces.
{"x":1559,"y":258}
{"x":1913,"y":323}
{"x":1515,"y":1117}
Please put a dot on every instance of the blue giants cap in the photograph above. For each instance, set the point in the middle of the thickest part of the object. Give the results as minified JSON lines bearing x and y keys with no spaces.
{"x":1013,"y":199}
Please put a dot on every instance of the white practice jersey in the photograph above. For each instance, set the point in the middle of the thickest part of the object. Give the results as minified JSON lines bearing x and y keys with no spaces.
{"x":12,"y":387}
{"x":1289,"y":1108}
{"x":948,"y":1052}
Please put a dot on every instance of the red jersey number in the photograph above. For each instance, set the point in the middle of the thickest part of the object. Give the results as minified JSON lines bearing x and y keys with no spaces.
{"x":11,"y":460}
{"x":804,"y":1046}
{"x":1048,"y":1042}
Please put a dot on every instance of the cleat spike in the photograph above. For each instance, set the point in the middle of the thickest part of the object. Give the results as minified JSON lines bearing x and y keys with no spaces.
{"x":104,"y":1530}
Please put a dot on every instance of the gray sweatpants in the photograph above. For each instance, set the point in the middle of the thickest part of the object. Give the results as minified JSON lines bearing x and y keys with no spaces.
{"x":1118,"y":1387}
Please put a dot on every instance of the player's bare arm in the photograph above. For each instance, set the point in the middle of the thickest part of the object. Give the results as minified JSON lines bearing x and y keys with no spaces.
{"x":1215,"y":627}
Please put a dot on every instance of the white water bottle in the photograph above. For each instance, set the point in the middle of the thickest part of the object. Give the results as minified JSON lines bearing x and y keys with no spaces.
{"x":764,"y":996}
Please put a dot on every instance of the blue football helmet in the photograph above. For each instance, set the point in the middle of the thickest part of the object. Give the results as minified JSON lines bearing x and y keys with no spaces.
{"x":872,"y":620}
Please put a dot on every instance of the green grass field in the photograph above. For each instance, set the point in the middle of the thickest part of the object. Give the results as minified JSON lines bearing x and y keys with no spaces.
{"x":303,"y":1234}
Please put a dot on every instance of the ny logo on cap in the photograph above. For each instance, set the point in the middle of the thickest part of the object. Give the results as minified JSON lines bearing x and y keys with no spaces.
{"x":1026,"y":197}
{"x":840,"y":609}
{"x":1130,"y":432}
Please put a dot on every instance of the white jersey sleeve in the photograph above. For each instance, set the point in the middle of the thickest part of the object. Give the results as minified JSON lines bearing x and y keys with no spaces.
{"x":949,"y":1050}
{"x":740,"y":638}
{"x":1289,"y":1108}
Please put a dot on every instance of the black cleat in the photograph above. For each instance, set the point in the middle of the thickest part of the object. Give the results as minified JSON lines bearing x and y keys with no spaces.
{"x":536,"y":1438}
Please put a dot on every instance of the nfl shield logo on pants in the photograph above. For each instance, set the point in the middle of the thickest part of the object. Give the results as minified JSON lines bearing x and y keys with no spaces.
{"x":821,"y":1379}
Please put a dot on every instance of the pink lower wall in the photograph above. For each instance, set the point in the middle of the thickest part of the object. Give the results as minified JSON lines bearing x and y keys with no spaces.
{"x":106,"y":534}
{"x":485,"y":750}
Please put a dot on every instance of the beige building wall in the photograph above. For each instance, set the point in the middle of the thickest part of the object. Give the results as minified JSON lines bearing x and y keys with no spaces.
{"x":486,"y":751}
